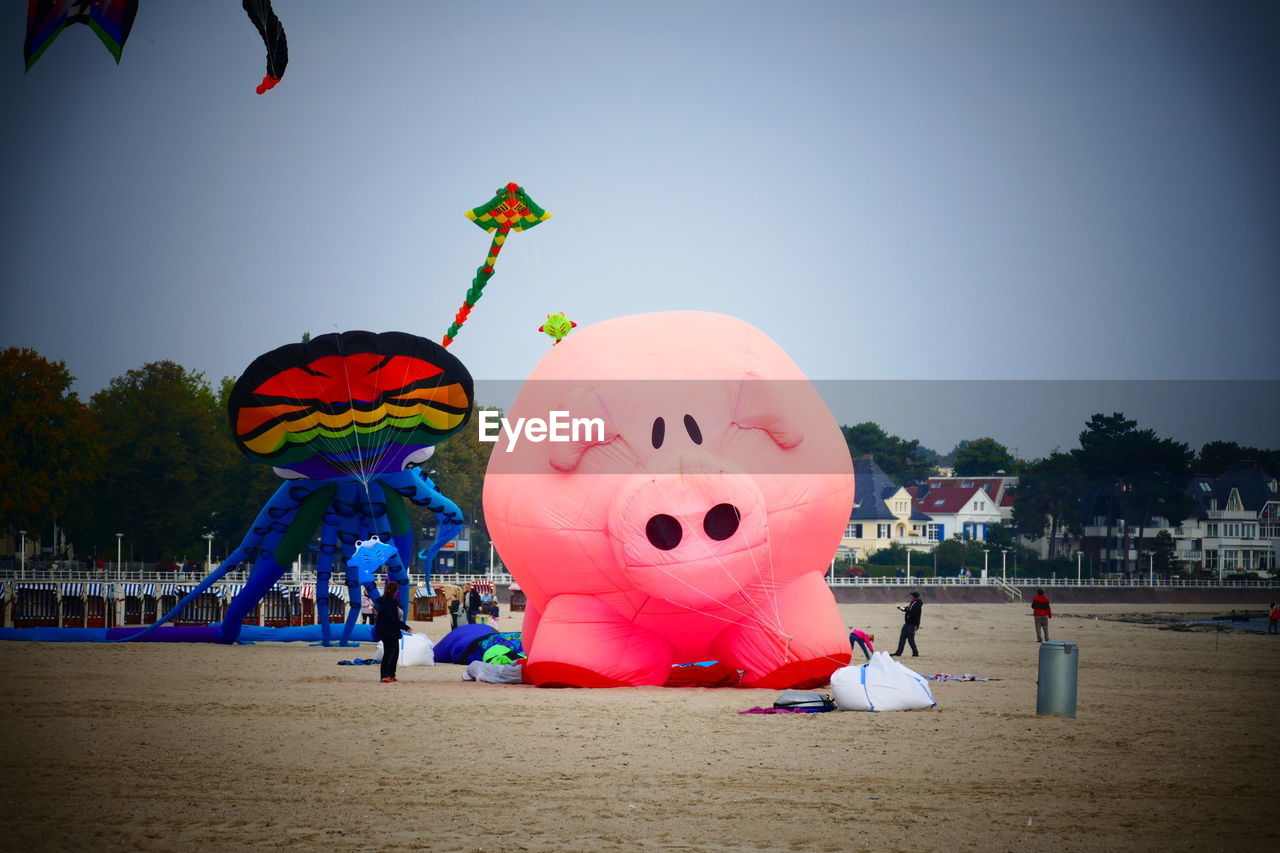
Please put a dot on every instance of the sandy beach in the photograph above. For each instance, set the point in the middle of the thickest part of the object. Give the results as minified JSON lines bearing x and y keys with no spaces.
{"x":161,"y":747}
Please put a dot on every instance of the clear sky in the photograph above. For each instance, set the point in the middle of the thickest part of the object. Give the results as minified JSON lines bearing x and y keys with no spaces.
{"x":1020,"y":190}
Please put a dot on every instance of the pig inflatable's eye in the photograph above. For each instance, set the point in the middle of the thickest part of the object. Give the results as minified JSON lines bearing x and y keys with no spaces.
{"x":659,"y":431}
{"x":663,"y":531}
{"x":691,"y":426}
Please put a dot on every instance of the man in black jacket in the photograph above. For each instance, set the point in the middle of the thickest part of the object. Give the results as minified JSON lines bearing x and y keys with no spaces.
{"x":388,"y":623}
{"x":473,"y":604}
{"x":910,"y":623}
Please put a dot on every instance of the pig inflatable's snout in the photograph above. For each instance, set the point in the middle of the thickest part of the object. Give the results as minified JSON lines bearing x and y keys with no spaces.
{"x":692,"y":534}
{"x":664,"y":532}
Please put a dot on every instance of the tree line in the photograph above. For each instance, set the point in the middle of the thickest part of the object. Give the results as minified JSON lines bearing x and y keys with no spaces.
{"x":150,"y":456}
{"x":1118,"y":471}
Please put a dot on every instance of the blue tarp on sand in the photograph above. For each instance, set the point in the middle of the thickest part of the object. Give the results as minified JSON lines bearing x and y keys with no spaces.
{"x":462,"y":644}
{"x":178,"y":634}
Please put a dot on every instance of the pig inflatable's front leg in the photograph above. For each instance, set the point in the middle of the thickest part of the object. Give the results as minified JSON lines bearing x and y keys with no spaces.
{"x":583,"y":642}
{"x":787,"y":643}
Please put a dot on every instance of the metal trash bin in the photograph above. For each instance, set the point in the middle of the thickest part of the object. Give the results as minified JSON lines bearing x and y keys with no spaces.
{"x":1056,"y":687}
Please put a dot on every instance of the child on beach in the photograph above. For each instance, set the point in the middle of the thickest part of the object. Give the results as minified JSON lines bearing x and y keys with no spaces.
{"x":863,"y":640}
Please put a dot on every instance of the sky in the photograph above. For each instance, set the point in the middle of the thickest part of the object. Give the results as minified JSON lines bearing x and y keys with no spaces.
{"x":915,"y":199}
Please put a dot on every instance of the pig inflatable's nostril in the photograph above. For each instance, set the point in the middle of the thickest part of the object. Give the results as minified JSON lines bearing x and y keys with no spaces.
{"x":664,"y":532}
{"x":721,"y":521}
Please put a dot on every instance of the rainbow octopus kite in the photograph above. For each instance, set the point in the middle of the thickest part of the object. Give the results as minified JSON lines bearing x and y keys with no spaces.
{"x":346,"y":418}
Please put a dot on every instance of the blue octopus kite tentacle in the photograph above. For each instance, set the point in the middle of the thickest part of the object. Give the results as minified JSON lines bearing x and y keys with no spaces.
{"x":400,"y":534}
{"x":344,"y":525}
{"x":384,"y":512}
{"x":412,"y":484}
{"x":365,"y":510}
{"x":290,"y":523}
{"x":280,"y":509}
{"x":236,"y":557}
{"x":324,"y":568}
{"x":351,"y":529}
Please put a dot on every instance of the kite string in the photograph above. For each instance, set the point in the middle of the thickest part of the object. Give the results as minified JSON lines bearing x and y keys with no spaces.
{"x":322,"y":433}
{"x":754,"y":615}
{"x":767,"y":585}
{"x":755,"y":618}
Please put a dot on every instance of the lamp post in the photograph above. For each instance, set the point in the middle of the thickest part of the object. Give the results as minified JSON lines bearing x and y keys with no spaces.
{"x":208,"y":558}
{"x":119,"y":538}
{"x":985,"y":552}
{"x":22,"y":556}
{"x":1004,"y":561}
{"x":1079,"y":554}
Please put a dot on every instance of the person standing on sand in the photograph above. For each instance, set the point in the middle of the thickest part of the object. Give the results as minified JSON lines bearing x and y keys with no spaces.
{"x":1273,"y":617}
{"x":1042,"y":613}
{"x":910,"y":624}
{"x":389,"y":622}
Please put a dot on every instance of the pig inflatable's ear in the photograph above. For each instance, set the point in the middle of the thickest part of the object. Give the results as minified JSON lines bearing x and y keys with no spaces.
{"x":581,"y":403}
{"x":762,"y":405}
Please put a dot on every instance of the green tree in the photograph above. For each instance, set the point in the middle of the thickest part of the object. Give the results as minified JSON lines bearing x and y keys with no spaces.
{"x":894,"y":555}
{"x":904,"y":461}
{"x":1217,"y":456}
{"x":973,"y":556}
{"x":1047,"y":498}
{"x":999,"y":536}
{"x":1165,"y":561}
{"x":951,"y":555}
{"x":982,"y":457}
{"x":957,"y":553}
{"x":49,"y":443}
{"x":165,"y":441}
{"x":458,"y":468}
{"x":1147,"y":475}
{"x":242,"y":489}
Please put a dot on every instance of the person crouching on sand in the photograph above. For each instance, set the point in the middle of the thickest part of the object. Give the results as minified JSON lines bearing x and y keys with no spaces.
{"x":388,"y":623}
{"x":863,"y":640}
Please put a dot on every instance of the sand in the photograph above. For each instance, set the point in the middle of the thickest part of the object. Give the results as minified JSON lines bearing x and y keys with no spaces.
{"x":160,"y":747}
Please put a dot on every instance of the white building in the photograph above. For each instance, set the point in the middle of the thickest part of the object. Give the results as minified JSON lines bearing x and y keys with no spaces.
{"x":967,"y":511}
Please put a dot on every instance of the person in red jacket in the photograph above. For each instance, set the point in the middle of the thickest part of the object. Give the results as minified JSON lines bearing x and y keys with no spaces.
{"x":1040,"y":610}
{"x":1273,"y":617}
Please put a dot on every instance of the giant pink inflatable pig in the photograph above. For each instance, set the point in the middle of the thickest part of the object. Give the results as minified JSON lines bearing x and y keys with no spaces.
{"x":694,"y":523}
